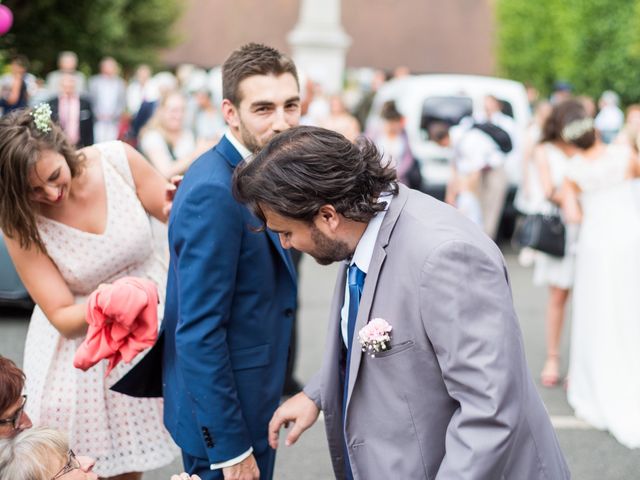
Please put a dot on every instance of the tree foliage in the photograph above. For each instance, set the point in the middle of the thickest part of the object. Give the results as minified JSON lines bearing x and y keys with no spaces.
{"x":594,"y":44}
{"x":132,"y":31}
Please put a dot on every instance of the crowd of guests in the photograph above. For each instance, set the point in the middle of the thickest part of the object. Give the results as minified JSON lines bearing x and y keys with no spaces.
{"x":172,"y":118}
{"x":76,"y":220}
{"x":580,"y":163}
{"x":65,"y":254}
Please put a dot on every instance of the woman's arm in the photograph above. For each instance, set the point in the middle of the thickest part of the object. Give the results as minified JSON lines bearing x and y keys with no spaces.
{"x":570,"y":204}
{"x":48,"y":289}
{"x":151,"y":186}
{"x":551,"y":193}
{"x":453,"y":186}
{"x":527,"y":158}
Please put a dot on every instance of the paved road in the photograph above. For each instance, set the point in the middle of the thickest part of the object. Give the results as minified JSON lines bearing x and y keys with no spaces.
{"x":592,"y":455}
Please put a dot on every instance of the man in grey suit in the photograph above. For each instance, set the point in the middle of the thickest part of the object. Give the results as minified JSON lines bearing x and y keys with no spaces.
{"x":448,"y":395}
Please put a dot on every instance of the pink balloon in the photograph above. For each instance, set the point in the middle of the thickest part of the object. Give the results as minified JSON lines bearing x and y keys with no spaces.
{"x":6,"y":19}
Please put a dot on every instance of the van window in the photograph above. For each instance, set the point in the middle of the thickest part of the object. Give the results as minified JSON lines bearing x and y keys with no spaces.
{"x":506,"y":107}
{"x":448,"y":109}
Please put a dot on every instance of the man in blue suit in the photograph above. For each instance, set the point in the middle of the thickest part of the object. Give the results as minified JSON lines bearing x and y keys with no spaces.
{"x":231,"y":291}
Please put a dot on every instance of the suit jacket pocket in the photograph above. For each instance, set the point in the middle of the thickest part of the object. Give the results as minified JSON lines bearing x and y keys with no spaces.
{"x":395,"y":349}
{"x":251,"y":357}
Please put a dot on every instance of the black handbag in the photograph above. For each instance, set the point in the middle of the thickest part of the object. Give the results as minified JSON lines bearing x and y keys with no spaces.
{"x":414,"y":176}
{"x":545,"y":233}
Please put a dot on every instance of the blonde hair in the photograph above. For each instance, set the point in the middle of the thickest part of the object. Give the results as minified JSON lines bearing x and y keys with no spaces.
{"x":155,"y":122}
{"x":30,"y":455}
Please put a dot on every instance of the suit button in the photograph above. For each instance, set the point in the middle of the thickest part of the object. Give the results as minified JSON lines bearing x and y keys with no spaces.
{"x":289,"y":312}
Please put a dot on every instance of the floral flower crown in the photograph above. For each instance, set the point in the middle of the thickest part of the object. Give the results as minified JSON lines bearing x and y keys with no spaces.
{"x":42,"y":117}
{"x":574,"y":130}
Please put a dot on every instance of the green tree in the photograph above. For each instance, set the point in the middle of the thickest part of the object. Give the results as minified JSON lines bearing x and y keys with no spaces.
{"x":533,"y":42}
{"x":606,"y":54}
{"x":132,"y":31}
{"x":595,"y":44}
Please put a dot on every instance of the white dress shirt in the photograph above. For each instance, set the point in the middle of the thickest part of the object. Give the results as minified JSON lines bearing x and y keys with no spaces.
{"x":362,"y":258}
{"x":242,"y":150}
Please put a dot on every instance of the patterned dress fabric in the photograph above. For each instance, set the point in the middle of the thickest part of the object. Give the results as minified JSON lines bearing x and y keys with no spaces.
{"x":124,"y":434}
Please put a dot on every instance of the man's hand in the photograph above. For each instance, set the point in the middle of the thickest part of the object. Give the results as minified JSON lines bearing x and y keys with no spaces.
{"x":170,"y":193}
{"x":245,"y":470}
{"x":300,"y":410}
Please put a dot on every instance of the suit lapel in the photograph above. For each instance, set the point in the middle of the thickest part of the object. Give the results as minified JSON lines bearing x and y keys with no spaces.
{"x":233,"y":158}
{"x":228,"y":152}
{"x":371,"y":281}
{"x":334,"y":342}
{"x":284,"y":254}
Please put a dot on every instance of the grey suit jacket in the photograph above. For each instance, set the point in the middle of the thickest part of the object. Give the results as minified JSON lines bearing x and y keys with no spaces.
{"x":452,"y":398}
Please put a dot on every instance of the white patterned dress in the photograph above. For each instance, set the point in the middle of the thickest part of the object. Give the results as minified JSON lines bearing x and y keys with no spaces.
{"x":124,"y":434}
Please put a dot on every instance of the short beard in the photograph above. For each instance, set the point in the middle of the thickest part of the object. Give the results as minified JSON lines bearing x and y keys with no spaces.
{"x":328,"y":251}
{"x":249,"y":140}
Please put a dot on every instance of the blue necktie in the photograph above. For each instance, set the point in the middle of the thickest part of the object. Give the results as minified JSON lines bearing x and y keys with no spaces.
{"x":355,"y":280}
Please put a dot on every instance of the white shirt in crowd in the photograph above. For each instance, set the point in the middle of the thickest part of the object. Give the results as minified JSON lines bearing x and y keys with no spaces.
{"x":362,"y":258}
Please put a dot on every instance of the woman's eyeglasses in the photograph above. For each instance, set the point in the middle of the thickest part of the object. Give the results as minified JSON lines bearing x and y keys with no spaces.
{"x":14,"y":420}
{"x":72,"y":464}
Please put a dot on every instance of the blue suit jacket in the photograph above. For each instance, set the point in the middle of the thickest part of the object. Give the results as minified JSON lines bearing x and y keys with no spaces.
{"x":231,"y":295}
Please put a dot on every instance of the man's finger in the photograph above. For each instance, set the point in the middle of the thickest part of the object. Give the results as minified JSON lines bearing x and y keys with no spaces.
{"x":294,"y":433}
{"x":170,"y":192}
{"x":176,"y":179}
{"x":274,"y":430}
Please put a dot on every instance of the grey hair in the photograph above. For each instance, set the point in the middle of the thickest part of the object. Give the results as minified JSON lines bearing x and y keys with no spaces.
{"x":30,"y":454}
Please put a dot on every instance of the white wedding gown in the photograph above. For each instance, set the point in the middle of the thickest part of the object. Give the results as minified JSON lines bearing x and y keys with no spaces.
{"x":604,"y":378}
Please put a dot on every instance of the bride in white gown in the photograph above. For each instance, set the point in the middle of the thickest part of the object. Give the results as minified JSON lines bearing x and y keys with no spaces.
{"x":604,"y":384}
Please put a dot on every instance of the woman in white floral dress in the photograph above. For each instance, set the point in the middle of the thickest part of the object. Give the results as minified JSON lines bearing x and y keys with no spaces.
{"x":73,"y":221}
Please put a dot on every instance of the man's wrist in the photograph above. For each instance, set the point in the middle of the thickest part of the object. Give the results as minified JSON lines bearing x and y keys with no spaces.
{"x":233,"y":461}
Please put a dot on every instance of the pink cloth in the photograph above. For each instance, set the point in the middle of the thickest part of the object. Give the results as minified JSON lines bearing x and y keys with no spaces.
{"x":123,"y":321}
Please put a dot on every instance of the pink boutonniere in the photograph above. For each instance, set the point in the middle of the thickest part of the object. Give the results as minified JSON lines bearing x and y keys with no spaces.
{"x":375,"y":336}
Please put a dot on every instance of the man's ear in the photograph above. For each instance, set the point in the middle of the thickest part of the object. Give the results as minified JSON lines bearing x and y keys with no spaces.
{"x":328,"y":219}
{"x":230,"y":114}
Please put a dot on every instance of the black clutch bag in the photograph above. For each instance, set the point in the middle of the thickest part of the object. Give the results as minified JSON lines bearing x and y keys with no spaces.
{"x":545,"y":233}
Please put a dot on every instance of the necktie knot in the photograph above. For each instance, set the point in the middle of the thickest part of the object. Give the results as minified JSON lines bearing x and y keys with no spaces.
{"x":356,"y":277}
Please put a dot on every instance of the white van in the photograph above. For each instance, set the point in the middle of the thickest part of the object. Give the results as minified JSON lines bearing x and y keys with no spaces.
{"x":425,"y":98}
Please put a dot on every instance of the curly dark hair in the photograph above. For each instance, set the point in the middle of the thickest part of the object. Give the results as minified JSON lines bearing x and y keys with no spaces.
{"x":249,"y":60}
{"x":20,"y":145}
{"x":304,"y":168}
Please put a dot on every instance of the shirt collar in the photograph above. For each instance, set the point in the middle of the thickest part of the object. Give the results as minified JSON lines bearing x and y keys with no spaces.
{"x":364,"y":250}
{"x":242,"y":150}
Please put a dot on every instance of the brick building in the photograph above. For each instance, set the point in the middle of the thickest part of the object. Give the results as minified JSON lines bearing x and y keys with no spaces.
{"x":425,"y":35}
